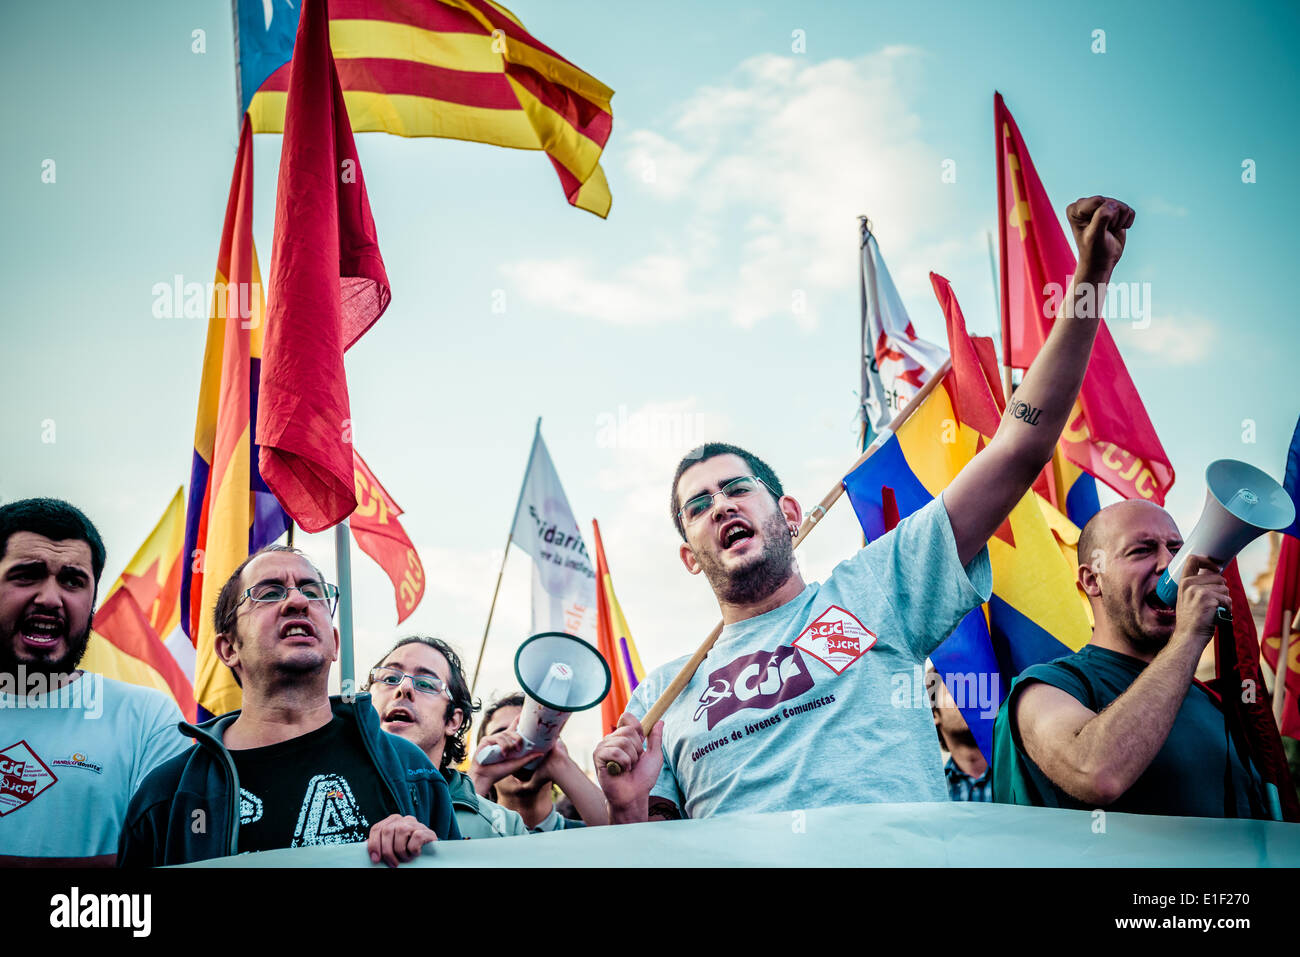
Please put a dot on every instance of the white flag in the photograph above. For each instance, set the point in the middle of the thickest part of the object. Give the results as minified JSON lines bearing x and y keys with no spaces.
{"x":564,"y":579}
{"x":896,"y":363}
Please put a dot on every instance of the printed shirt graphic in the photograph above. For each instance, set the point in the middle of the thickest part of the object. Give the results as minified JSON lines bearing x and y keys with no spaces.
{"x":318,"y":788}
{"x":70,"y":761}
{"x":811,"y":704}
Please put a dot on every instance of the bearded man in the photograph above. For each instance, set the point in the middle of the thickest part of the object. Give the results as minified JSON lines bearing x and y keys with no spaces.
{"x":74,"y":745}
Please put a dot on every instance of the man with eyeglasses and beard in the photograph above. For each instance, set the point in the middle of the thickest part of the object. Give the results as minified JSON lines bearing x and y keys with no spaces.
{"x":294,"y":767}
{"x":795,"y":705}
{"x":73,"y":745}
{"x":419,"y":691}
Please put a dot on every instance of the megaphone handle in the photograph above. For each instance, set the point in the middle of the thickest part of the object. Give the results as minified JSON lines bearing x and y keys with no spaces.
{"x":671,"y":693}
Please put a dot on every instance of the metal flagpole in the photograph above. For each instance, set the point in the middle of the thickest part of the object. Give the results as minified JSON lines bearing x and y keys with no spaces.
{"x":537,"y":434}
{"x":864,"y":231}
{"x":239,"y":83}
{"x":343,"y":562}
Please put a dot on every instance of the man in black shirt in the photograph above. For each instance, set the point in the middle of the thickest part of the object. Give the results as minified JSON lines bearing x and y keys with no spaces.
{"x":294,"y":767}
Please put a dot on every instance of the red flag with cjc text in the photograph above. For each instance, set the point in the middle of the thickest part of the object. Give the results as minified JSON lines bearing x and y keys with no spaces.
{"x":1109,"y":434}
{"x":328,"y":286}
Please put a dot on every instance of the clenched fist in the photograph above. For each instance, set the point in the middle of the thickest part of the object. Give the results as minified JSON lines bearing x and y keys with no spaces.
{"x":1099,"y":225}
{"x":639,"y":759}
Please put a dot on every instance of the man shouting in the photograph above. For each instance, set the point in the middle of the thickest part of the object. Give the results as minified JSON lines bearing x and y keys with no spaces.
{"x":791,"y":708}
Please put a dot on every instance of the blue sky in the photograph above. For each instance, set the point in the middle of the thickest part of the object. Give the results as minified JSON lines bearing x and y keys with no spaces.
{"x":738,"y":168}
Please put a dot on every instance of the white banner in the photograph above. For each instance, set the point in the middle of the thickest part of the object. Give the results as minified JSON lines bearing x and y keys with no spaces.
{"x":897,"y":362}
{"x":564,"y":575}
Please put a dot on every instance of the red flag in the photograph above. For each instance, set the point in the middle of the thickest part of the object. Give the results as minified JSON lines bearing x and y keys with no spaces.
{"x":1109,"y":433}
{"x":1283,"y":603}
{"x":1246,"y":703}
{"x":969,"y":387}
{"x":328,"y":286}
{"x":375,"y":526}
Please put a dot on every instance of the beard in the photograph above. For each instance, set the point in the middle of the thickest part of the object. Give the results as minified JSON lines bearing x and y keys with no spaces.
{"x":44,"y":663}
{"x":765,"y":574}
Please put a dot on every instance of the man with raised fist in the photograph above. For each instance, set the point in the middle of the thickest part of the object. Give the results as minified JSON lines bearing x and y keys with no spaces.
{"x":792,"y":706}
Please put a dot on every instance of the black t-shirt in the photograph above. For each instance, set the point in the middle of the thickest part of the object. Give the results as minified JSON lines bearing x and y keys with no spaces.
{"x":319,"y":788}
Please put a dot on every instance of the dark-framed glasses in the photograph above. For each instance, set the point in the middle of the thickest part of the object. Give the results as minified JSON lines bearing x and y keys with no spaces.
{"x":737,"y":488}
{"x":429,"y":684}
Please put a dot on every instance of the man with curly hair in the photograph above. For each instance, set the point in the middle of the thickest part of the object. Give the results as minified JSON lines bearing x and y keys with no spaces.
{"x":419,"y":690}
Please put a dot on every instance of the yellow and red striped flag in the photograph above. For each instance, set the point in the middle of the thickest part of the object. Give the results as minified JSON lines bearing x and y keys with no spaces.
{"x":614,"y":641}
{"x":137,"y":636}
{"x":462,"y":69}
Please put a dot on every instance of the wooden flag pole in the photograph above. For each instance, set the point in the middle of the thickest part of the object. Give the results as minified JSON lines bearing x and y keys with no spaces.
{"x":537,"y":433}
{"x":1283,"y":668}
{"x":491,"y":609}
{"x":810,"y":521}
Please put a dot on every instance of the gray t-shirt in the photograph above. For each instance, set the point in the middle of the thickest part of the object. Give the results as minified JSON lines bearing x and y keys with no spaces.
{"x":816,"y":703}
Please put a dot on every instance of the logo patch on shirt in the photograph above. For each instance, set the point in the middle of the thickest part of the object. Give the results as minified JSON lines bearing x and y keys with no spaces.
{"x":23,"y":776}
{"x":836,"y":638}
{"x":760,"y":680}
{"x":78,"y":760}
{"x":330,"y":814}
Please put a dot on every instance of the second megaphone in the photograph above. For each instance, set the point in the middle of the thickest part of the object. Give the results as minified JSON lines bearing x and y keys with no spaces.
{"x":559,"y":674}
{"x":1241,"y":503}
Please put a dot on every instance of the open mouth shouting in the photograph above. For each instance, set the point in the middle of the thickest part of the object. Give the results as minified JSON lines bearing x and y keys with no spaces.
{"x":1163,"y":614}
{"x":42,"y":631}
{"x":733,"y":533}
{"x":398,"y":717}
{"x":298,"y":630}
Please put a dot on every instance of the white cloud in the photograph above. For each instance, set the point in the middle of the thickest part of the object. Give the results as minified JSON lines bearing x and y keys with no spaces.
{"x":1174,"y":340}
{"x":777,"y":161}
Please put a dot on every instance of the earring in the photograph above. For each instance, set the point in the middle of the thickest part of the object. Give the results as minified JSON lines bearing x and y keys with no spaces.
{"x":794,"y":530}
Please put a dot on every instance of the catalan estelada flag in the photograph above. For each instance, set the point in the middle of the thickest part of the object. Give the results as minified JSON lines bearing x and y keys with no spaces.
{"x":231,"y":512}
{"x":137,"y":636}
{"x":1109,"y":433}
{"x":614,"y":641}
{"x":1034,"y":614}
{"x":462,"y":69}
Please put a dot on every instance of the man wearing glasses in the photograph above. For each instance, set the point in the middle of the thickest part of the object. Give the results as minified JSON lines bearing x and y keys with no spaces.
{"x":797,"y":704}
{"x":294,"y":767}
{"x":419,"y":692}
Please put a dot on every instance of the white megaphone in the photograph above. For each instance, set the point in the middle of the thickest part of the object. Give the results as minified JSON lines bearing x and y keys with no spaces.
{"x":559,"y":674}
{"x":1241,"y":504}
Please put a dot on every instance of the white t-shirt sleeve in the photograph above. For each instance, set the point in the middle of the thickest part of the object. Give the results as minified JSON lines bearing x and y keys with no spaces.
{"x":916,"y":567}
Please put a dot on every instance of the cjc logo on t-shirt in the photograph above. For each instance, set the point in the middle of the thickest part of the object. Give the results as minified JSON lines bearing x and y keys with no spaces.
{"x":760,"y":680}
{"x":23,"y":776}
{"x":836,"y":638}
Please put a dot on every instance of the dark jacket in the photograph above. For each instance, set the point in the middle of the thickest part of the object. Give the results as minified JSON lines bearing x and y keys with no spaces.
{"x":187,"y":809}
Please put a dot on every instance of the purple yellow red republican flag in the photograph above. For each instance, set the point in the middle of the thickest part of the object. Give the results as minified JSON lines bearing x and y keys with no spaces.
{"x":231,"y":512}
{"x":137,"y":636}
{"x":461,"y":69}
{"x":614,"y":641}
{"x":1109,"y":433}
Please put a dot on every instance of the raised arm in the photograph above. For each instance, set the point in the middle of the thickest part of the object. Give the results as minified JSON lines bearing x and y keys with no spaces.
{"x":981,"y":497}
{"x":1097,"y":757}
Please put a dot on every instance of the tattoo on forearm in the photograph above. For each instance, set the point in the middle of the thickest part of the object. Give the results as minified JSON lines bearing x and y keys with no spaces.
{"x":1024,"y":411}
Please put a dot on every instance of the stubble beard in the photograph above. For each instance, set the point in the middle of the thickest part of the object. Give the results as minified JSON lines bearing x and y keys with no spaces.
{"x":753,"y":582}
{"x":1129,"y":622}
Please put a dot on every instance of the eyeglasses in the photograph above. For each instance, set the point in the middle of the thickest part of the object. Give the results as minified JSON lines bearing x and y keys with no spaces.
{"x":276,"y":591}
{"x":737,"y":488}
{"x":429,"y":684}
